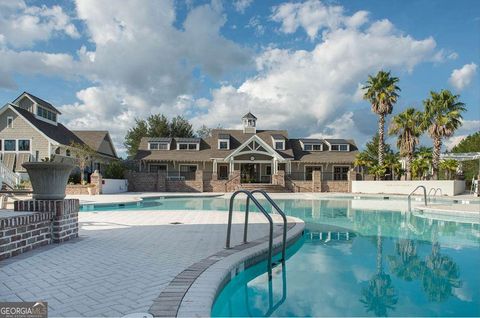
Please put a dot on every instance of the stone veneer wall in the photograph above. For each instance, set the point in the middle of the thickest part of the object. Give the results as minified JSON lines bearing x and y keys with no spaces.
{"x":335,"y":186}
{"x":52,"y":221}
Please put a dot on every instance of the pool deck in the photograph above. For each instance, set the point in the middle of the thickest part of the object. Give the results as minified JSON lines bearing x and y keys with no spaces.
{"x":121,"y":262}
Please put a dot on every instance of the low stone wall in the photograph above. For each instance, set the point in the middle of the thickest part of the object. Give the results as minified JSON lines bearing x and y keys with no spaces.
{"x":299,"y":186}
{"x":80,"y":189}
{"x":145,"y":181}
{"x":51,"y":221}
{"x":214,"y":185}
{"x":335,"y":186}
{"x":184,"y":186}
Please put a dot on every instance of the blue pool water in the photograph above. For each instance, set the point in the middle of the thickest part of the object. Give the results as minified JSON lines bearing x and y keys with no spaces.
{"x":354,"y":262}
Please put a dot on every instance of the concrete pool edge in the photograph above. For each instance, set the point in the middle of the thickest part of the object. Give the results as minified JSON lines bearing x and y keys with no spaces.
{"x":199,"y":298}
{"x":193,"y":291}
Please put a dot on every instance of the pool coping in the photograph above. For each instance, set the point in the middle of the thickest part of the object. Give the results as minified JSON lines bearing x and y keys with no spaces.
{"x":192,"y":292}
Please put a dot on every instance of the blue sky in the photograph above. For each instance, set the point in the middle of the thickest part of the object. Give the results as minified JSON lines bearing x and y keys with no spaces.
{"x":297,"y":65}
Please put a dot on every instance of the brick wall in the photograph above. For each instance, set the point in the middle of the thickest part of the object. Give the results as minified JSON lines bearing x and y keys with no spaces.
{"x":80,"y":189}
{"x":184,"y":186}
{"x":335,"y":186}
{"x":51,"y":221}
{"x":146,"y":181}
{"x":298,"y":186}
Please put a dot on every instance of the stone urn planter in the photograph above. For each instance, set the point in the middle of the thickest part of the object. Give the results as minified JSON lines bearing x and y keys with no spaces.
{"x":49,"y":179}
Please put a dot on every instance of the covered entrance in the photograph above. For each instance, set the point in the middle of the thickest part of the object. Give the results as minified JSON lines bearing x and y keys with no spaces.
{"x":255,"y":173}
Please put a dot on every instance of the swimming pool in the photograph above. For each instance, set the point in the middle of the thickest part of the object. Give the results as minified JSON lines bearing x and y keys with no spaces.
{"x":352,"y":261}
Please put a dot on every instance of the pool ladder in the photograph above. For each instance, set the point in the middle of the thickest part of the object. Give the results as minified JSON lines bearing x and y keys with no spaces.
{"x":251,"y":197}
{"x":411,"y":193}
{"x":434,"y":193}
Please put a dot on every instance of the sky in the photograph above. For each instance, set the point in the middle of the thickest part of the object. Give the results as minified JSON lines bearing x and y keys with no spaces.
{"x":296,"y":65}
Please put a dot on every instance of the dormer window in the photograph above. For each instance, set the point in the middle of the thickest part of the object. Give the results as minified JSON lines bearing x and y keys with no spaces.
{"x":45,"y":113}
{"x":224,"y":141}
{"x":311,"y":144}
{"x":188,"y":143}
{"x":10,"y":122}
{"x":158,"y":146}
{"x":340,"y":147}
{"x":278,"y":142}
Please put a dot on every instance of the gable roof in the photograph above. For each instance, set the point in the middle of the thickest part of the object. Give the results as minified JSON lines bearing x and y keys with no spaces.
{"x":39,"y":101}
{"x":95,"y":138}
{"x":58,"y":133}
{"x":249,"y":115}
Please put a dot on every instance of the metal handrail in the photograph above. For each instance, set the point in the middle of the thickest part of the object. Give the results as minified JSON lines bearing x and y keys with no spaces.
{"x":434,"y":192}
{"x":410,"y":196}
{"x":284,"y":217}
{"x":265,"y":213}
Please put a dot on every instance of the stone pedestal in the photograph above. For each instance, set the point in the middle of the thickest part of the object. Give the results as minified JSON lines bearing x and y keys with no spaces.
{"x":97,"y":180}
{"x":316,"y":181}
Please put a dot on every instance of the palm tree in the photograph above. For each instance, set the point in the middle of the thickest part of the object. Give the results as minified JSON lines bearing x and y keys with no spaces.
{"x":449,"y":166}
{"x":382,"y":93}
{"x":392,"y":162}
{"x":407,"y":126}
{"x":443,"y":115}
{"x":422,"y":162}
{"x":380,"y":295}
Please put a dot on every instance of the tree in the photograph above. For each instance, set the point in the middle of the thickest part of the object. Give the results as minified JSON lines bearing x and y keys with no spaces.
{"x":134,"y":135}
{"x":443,"y":115}
{"x":180,"y":127}
{"x":407,"y":126}
{"x":392,"y":163}
{"x":470,"y":144}
{"x":382,"y":93}
{"x":368,"y":158}
{"x":83,"y":153}
{"x":449,"y":166}
{"x":114,"y":170}
{"x":156,"y":126}
{"x":205,"y":132}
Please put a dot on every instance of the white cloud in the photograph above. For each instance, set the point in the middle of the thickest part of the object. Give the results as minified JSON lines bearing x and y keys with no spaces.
{"x":468,"y":127}
{"x":312,"y":92}
{"x":22,"y":25}
{"x":313,"y":16}
{"x":242,"y":5}
{"x":461,"y":78}
{"x":453,"y":56}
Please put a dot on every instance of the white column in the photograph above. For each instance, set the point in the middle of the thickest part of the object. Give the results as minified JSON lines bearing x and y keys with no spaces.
{"x":232,"y":166}
{"x":275,"y":166}
{"x":214,"y":165}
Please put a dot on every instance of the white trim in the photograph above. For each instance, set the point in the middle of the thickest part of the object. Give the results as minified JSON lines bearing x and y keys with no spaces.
{"x":275,"y":144}
{"x":264,"y":145}
{"x":348,"y":147}
{"x":9,"y":106}
{"x":159,"y":143}
{"x":223,"y":140}
{"x":197,"y":145}
{"x":340,"y":166}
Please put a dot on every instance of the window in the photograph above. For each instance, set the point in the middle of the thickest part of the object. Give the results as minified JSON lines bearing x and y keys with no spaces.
{"x":223,"y":144}
{"x":158,"y":146}
{"x":10,"y":145}
{"x":42,"y":112}
{"x":24,"y":145}
{"x":187,"y":172}
{"x":309,"y":171}
{"x":57,"y":151}
{"x":68,"y":153}
{"x":342,"y":147}
{"x":279,"y":145}
{"x":312,"y":147}
{"x":9,"y":122}
{"x":268,"y":170}
{"x":157,"y":168}
{"x":340,"y":173}
{"x":187,"y":146}
{"x":223,"y":172}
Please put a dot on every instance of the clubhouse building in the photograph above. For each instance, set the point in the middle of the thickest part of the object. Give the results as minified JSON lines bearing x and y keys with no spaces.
{"x":232,"y":159}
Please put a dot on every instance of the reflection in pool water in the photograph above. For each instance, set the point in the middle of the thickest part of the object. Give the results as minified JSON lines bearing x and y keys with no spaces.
{"x":354,"y":262}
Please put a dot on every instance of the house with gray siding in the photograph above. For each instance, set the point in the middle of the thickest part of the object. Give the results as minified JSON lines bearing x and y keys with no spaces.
{"x":253,"y":156}
{"x":30,"y":131}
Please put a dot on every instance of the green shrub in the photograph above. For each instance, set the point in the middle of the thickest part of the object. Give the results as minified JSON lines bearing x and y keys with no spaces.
{"x":114,"y":170}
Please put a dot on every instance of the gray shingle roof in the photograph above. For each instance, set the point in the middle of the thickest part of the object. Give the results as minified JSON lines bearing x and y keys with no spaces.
{"x":160,"y":139}
{"x":223,"y":136}
{"x":94,"y":139}
{"x":194,"y":140}
{"x":278,"y":137}
{"x":40,"y":102}
{"x":337,"y":141}
{"x":310,"y":140}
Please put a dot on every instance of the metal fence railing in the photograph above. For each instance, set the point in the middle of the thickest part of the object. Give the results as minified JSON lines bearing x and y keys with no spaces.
{"x":180,"y":175}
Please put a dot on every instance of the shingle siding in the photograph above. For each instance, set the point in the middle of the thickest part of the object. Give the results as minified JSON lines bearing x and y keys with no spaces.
{"x":23,"y":130}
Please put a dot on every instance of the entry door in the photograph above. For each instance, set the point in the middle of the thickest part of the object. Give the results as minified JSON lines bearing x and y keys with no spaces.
{"x":223,"y":172}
